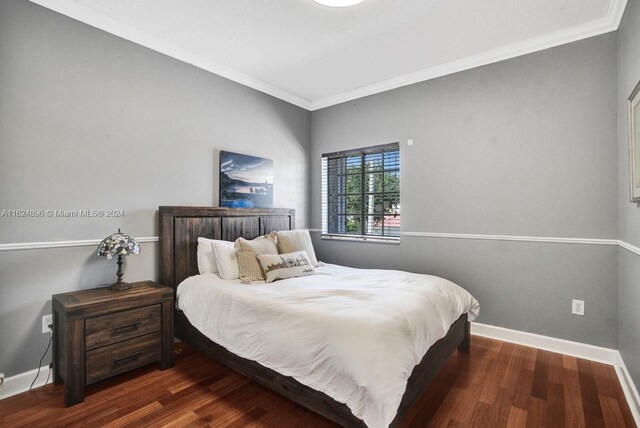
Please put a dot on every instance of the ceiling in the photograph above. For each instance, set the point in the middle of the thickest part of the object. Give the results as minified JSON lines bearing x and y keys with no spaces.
{"x":316,"y":56}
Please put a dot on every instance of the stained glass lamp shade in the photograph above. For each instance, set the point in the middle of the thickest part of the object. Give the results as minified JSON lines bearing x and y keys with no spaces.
{"x":118,"y":244}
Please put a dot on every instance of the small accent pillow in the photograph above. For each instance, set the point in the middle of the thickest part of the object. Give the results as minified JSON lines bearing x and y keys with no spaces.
{"x":226,"y":259}
{"x":283,"y":266}
{"x":248,"y":265}
{"x":290,"y":241}
{"x":206,"y":257}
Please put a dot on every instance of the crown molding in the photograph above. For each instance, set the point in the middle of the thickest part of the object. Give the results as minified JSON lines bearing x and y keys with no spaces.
{"x":88,"y":16}
{"x":616,"y":12}
{"x":609,"y":23}
{"x":111,"y":25}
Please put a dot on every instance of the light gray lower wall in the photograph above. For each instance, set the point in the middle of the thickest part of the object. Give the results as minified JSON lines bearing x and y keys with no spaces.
{"x":628,"y":213}
{"x":628,"y":314}
{"x":523,"y":147}
{"x":89,"y":120}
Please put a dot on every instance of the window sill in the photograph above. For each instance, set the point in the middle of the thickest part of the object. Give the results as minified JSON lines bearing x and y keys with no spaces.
{"x":360,"y":238}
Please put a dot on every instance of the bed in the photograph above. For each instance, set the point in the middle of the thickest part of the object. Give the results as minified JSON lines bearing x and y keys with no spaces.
{"x":371,"y":346}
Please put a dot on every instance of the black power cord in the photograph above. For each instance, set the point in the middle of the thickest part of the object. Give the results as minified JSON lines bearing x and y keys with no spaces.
{"x":40,"y":363}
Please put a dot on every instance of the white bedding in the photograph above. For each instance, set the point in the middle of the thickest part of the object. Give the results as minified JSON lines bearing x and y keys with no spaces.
{"x":353,"y":334}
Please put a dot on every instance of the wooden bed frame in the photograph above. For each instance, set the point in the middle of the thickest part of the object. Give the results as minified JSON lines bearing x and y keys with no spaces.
{"x":180,"y":228}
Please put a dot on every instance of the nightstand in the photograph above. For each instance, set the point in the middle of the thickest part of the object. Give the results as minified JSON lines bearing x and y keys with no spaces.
{"x":100,"y":333}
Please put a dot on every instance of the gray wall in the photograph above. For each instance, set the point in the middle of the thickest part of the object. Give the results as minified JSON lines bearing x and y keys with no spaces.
{"x":88,"y":120}
{"x":628,"y":213}
{"x":523,"y":147}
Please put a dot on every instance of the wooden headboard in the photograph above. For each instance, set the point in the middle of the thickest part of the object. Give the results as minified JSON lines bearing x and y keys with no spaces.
{"x":180,"y":228}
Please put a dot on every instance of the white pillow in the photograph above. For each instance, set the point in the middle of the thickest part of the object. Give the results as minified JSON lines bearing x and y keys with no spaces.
{"x":206,"y":257}
{"x":286,"y":265}
{"x":226,"y":259}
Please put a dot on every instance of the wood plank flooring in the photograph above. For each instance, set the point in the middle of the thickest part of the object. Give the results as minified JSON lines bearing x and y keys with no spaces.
{"x":498,"y":385}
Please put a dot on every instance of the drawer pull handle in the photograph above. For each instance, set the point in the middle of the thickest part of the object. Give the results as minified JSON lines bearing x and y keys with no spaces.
{"x":127,"y":328}
{"x":126,"y":359}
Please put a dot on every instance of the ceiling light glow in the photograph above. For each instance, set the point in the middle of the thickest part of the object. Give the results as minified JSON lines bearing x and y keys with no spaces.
{"x":338,"y":3}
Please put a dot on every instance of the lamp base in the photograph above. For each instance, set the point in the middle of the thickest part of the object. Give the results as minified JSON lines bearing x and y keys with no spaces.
{"x":119,"y":286}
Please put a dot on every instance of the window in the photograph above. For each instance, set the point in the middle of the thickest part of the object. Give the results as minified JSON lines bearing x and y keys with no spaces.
{"x":361,"y":193}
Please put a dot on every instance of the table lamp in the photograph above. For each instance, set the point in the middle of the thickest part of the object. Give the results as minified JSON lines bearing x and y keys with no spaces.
{"x":118,"y":244}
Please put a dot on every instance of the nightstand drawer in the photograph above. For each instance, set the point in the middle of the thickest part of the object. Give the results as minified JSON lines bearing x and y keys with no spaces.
{"x":119,"y":326}
{"x":114,"y":359}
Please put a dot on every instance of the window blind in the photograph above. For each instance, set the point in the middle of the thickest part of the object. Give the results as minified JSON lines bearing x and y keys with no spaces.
{"x":361,"y":193}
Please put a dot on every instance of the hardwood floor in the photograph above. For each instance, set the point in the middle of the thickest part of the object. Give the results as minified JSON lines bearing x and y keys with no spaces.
{"x":498,"y":385}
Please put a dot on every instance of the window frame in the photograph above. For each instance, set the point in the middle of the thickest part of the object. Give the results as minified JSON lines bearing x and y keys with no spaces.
{"x":362,"y":194}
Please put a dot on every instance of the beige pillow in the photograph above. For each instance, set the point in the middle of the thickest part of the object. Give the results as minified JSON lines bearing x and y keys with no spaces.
{"x":290,"y":241}
{"x":261,"y":245}
{"x":248,"y":265}
{"x":286,"y":265}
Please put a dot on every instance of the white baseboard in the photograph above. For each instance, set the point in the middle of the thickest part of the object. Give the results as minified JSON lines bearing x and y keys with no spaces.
{"x":567,"y":347}
{"x":630,"y":391}
{"x":546,"y":343}
{"x":20,"y":383}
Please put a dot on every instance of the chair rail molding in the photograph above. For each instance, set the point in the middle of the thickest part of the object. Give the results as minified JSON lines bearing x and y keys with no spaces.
{"x":542,"y":239}
{"x":64,"y":244}
{"x":546,"y":239}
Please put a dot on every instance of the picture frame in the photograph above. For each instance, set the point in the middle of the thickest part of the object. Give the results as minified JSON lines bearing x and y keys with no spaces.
{"x":634,"y":143}
{"x":245,"y":181}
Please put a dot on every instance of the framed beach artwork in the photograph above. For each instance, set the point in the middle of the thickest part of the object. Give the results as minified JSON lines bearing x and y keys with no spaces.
{"x":245,"y":181}
{"x":634,"y":143}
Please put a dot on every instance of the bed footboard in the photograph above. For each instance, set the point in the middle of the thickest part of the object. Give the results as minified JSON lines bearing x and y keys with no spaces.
{"x":465,"y":345}
{"x":458,"y":337}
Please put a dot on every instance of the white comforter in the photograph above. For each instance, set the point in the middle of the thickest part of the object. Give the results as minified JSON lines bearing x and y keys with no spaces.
{"x":353,"y":334}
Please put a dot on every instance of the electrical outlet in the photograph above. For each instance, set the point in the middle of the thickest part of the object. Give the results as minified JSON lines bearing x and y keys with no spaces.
{"x":577,"y":307}
{"x":46,"y":321}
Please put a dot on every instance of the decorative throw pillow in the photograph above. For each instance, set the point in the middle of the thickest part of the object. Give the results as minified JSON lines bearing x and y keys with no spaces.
{"x":226,"y":259}
{"x":248,"y":265}
{"x":206,"y":257}
{"x":290,"y":241}
{"x":289,"y":265}
{"x":261,"y":245}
